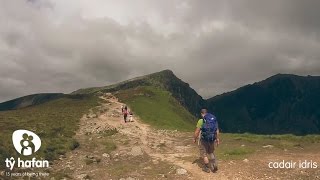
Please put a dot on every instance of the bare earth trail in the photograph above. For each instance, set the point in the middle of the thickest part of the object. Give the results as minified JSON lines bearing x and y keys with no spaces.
{"x":147,"y":136}
{"x":136,"y":140}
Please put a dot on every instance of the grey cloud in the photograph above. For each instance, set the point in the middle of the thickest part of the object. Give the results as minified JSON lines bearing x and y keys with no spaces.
{"x":215,"y":46}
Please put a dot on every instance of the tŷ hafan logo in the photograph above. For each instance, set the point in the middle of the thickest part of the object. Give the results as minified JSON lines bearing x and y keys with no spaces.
{"x":26,"y":143}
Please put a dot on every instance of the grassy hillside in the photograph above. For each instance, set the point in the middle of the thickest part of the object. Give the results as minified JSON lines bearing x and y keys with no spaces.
{"x":55,"y":122}
{"x":29,"y":100}
{"x":157,"y":108}
{"x":240,"y":146}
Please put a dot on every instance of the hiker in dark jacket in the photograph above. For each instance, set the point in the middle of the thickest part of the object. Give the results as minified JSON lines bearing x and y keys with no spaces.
{"x":208,"y":134}
{"x":125,"y":113}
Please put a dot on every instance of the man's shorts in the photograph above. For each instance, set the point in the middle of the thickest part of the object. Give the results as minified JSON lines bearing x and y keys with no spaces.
{"x":206,"y":148}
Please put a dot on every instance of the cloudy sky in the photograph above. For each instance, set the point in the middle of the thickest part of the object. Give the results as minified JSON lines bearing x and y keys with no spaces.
{"x":215,"y":46}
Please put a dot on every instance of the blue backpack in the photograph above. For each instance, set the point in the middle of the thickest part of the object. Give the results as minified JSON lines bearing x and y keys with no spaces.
{"x":209,"y":128}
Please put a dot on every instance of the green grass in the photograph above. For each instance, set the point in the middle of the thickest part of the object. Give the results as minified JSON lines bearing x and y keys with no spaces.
{"x":158,"y":108}
{"x":55,"y":122}
{"x":240,"y":151}
{"x":110,"y":132}
{"x":108,"y":141}
{"x":241,"y":146}
{"x":285,"y":138}
{"x":109,"y":146}
{"x":231,"y":152}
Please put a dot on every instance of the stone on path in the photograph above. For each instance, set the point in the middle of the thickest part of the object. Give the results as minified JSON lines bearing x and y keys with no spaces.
{"x":181,"y":171}
{"x":136,"y":151}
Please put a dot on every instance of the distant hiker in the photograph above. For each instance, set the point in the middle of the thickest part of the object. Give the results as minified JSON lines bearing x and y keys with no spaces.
{"x":130,"y":116}
{"x":125,"y":113}
{"x":208,"y":134}
{"x":122,"y":108}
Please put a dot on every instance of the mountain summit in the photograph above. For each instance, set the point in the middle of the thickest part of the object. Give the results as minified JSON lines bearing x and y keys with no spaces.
{"x":166,"y":80}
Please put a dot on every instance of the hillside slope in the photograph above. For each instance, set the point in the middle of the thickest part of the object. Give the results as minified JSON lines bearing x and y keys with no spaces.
{"x":158,"y":108}
{"x":280,"y":104}
{"x":55,"y":117}
{"x":29,"y":100}
{"x":165,"y":80}
{"x":55,"y":122}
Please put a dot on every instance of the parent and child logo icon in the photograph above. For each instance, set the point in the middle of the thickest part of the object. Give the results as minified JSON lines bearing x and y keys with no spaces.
{"x":26,"y":142}
{"x":27,"y":145}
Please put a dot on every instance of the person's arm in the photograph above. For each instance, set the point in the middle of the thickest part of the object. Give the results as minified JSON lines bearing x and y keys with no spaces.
{"x":196,"y":134}
{"x":217,"y":134}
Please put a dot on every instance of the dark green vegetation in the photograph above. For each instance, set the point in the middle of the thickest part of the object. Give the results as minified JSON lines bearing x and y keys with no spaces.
{"x":158,"y":108}
{"x":278,"y":105}
{"x":55,"y":122}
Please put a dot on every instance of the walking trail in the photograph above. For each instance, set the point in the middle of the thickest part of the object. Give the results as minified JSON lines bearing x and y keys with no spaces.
{"x":141,"y":152}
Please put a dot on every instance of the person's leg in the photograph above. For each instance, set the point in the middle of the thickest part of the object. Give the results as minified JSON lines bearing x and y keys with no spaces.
{"x":213,"y":163}
{"x":206,"y":167}
{"x":212,"y":158}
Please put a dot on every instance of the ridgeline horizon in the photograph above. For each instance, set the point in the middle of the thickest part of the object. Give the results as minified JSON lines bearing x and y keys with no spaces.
{"x":282,"y":103}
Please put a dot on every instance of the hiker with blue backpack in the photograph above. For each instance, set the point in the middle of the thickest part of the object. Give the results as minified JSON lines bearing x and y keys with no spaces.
{"x":208,"y":134}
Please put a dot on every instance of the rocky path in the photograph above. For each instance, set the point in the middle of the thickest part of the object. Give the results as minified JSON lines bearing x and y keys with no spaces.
{"x":144,"y":153}
{"x":151,"y":140}
{"x":160,"y":145}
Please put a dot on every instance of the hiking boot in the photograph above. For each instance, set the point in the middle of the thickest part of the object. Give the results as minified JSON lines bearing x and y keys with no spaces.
{"x":206,"y":169}
{"x":214,"y":168}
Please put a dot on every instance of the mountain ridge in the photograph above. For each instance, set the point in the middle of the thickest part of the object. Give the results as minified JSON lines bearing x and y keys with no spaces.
{"x":165,"y":79}
{"x":283,"y":103}
{"x":279,"y":104}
